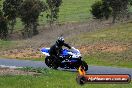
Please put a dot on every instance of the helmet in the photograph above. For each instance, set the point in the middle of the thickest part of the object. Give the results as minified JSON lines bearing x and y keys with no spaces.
{"x":60,"y":41}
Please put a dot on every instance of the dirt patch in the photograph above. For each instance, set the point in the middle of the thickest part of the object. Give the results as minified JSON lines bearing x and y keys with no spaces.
{"x":23,"y":53}
{"x":9,"y":71}
{"x":104,"y":47}
{"x":30,"y":53}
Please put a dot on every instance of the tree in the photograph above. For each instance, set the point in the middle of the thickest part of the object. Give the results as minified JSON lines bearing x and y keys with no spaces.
{"x":116,"y":8}
{"x":53,"y":6}
{"x":29,"y":14}
{"x":3,"y":26}
{"x":10,"y":10}
{"x":119,"y":7}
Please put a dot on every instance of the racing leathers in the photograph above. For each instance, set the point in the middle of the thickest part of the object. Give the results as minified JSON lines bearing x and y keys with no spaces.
{"x":55,"y":51}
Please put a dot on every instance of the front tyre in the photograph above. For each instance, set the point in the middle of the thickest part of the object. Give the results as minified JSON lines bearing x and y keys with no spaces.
{"x":84,"y":65}
{"x":50,"y":62}
{"x":81,"y":80}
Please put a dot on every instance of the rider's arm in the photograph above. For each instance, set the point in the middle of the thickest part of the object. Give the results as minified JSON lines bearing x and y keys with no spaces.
{"x":66,"y":45}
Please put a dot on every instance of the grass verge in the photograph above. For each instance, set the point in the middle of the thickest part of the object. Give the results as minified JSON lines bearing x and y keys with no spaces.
{"x":51,"y":79}
{"x":6,"y":44}
{"x":110,"y":47}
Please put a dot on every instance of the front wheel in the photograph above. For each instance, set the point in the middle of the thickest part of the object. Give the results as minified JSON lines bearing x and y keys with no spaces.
{"x":84,"y":65}
{"x":81,"y":80}
{"x":50,"y":63}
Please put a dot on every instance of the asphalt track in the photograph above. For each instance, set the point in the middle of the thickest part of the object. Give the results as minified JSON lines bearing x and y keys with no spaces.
{"x":92,"y":69}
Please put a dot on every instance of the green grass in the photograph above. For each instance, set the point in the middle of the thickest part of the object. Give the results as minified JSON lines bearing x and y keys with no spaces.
{"x":110,"y":59}
{"x":75,"y":10}
{"x":120,"y":35}
{"x":6,"y":44}
{"x":70,"y":11}
{"x":51,"y":79}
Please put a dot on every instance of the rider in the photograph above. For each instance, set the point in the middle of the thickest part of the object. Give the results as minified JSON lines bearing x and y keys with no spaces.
{"x":55,"y":50}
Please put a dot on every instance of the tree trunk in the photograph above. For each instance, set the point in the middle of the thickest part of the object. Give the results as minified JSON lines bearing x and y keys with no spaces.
{"x":35,"y":31}
{"x":12,"y":24}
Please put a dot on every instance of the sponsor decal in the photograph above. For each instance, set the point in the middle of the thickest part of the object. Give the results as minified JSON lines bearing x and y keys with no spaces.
{"x":83,"y":78}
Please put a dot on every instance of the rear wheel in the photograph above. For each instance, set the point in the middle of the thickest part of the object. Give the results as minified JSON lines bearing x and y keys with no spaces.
{"x":50,"y":62}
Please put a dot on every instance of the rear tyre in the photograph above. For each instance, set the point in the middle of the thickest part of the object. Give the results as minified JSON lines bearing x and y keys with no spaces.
{"x":50,"y":63}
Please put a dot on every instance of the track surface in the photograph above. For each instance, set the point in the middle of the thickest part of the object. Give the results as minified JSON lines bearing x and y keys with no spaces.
{"x":92,"y":69}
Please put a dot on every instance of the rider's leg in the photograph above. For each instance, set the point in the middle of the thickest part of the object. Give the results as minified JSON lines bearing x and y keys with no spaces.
{"x":56,"y":59}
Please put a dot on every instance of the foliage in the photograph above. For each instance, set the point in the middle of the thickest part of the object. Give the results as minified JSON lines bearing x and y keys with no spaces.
{"x":116,"y":8}
{"x":119,"y":8}
{"x":100,"y":9}
{"x":130,"y":2}
{"x":3,"y":26}
{"x":53,"y":6}
{"x":29,"y":14}
{"x":10,"y":10}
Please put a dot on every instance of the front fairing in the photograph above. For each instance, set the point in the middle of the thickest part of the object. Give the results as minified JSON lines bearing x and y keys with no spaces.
{"x":45,"y":51}
{"x":72,"y":53}
{"x":64,"y":52}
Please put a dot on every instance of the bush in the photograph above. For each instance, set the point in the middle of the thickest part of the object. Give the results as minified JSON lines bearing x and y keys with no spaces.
{"x":97,"y":9}
{"x":101,"y":9}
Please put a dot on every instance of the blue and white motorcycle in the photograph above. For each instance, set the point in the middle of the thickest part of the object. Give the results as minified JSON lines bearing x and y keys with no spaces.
{"x":70,"y":59}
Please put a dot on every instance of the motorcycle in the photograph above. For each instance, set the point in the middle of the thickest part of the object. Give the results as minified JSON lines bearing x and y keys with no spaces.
{"x":70,"y":59}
